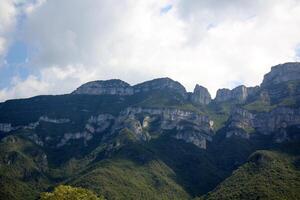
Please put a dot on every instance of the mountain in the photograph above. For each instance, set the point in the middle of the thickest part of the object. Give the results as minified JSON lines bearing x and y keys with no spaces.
{"x":155,"y":140}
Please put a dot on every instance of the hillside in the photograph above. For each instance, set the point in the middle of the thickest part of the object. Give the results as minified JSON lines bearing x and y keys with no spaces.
{"x":155,"y":140}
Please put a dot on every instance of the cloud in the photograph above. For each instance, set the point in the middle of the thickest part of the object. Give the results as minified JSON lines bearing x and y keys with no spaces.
{"x":213,"y":43}
{"x":51,"y":80}
{"x":7,"y":21}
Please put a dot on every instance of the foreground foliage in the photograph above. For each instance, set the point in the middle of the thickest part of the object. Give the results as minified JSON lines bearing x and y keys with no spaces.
{"x":65,"y":192}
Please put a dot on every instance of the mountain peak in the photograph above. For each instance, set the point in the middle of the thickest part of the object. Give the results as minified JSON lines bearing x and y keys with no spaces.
{"x":200,"y":95}
{"x":119,"y":87}
{"x":160,"y":84}
{"x":112,"y":86}
{"x":282,"y":73}
{"x":239,"y":93}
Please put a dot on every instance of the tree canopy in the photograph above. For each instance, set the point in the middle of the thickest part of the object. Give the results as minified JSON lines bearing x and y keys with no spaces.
{"x":65,"y":192}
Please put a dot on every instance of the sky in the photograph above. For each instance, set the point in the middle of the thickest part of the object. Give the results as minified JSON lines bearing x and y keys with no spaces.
{"x":54,"y":46}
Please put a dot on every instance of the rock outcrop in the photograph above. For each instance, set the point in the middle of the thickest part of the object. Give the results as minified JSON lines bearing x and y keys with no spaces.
{"x":282,"y":73}
{"x":110,"y":87}
{"x":189,"y":126}
{"x":5,"y":127}
{"x":239,"y":94}
{"x":160,"y":84}
{"x":240,"y":123}
{"x":200,"y":95}
{"x":276,"y":122}
{"x":280,"y":117}
{"x":118,"y":87}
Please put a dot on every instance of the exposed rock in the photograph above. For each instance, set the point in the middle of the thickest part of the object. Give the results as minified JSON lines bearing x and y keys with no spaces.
{"x":277,"y":119}
{"x":159,"y":84}
{"x":135,"y":126}
{"x":55,"y":121}
{"x":195,"y":138}
{"x":31,"y":126}
{"x":94,"y":125}
{"x":35,"y":138}
{"x":200,"y":95}
{"x":239,"y":94}
{"x":100,"y":123}
{"x":242,"y":123}
{"x":189,"y":126}
{"x":118,"y":87}
{"x":85,"y":135}
{"x":170,"y":117}
{"x":111,"y":87}
{"x":282,"y":73}
{"x":5,"y":127}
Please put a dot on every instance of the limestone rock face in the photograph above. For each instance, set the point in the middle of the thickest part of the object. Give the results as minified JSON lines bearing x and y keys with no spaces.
{"x":282,"y":73}
{"x":189,"y":126}
{"x":200,"y":95}
{"x":240,"y":94}
{"x":195,"y":138}
{"x":118,"y":87}
{"x":279,"y":118}
{"x":159,"y":84}
{"x":5,"y":127}
{"x":111,"y":87}
{"x":242,"y":123}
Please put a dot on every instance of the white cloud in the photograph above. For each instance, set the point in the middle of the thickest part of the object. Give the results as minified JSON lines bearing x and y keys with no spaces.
{"x":214,"y":43}
{"x":23,"y":88}
{"x":7,"y":21}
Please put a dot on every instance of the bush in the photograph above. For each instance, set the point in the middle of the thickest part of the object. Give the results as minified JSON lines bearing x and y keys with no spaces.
{"x":65,"y":192}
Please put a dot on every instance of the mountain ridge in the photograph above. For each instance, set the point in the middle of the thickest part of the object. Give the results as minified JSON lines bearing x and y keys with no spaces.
{"x":171,"y":143}
{"x":288,"y":72}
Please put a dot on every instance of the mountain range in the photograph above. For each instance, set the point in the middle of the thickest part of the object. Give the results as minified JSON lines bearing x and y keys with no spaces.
{"x":155,"y":140}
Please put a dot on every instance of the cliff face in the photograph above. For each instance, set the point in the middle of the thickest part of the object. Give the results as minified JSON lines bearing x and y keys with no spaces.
{"x":118,"y":87}
{"x":111,"y":87}
{"x":140,"y":121}
{"x":200,"y":95}
{"x":239,"y":94}
{"x":282,"y":73}
{"x":159,"y":84}
{"x":276,"y":122}
{"x":188,"y":126}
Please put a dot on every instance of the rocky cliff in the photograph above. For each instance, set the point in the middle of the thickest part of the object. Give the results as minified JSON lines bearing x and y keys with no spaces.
{"x":282,"y":73}
{"x":200,"y":95}
{"x":239,"y":94}
{"x":118,"y":87}
{"x":111,"y":87}
{"x":159,"y":84}
{"x":276,"y":123}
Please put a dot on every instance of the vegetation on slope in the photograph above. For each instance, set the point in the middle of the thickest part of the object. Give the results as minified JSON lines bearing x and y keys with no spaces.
{"x":65,"y":192}
{"x":21,"y":169}
{"x":125,"y":179}
{"x":266,"y":175}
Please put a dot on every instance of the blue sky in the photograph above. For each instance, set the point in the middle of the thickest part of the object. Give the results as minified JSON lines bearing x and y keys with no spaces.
{"x":166,"y":8}
{"x":51,"y":47}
